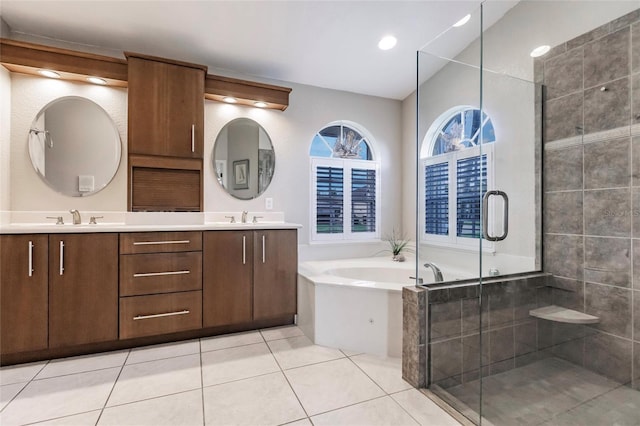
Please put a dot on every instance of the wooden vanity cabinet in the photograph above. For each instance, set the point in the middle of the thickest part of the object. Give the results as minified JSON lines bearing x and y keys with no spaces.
{"x":83,"y":289}
{"x":249,"y":275}
{"x":23,"y":293}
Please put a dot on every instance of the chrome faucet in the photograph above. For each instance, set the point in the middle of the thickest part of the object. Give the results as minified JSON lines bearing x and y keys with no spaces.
{"x":437,"y":273}
{"x":244,"y":216}
{"x":77,"y":220}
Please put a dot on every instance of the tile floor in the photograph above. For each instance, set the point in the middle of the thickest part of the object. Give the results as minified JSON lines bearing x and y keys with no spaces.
{"x":268,"y":377}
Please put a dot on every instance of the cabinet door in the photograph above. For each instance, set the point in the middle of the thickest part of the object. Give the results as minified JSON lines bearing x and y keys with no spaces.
{"x":184,"y":90}
{"x":23,"y":293}
{"x":275,"y":273}
{"x":83,"y":288}
{"x":227,"y":276}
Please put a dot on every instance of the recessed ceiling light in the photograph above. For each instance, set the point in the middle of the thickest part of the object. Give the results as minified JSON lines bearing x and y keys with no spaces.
{"x":230,"y":99}
{"x":97,"y":80}
{"x":539,"y":51}
{"x":260,"y":104}
{"x":462,"y":21}
{"x":387,"y":42}
{"x":49,"y":73}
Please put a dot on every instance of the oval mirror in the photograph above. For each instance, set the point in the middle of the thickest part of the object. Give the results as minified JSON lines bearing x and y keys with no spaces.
{"x":243,"y":158}
{"x":74,"y":146}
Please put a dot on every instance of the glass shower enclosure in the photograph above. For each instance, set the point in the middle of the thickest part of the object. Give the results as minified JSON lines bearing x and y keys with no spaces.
{"x":522,"y":192}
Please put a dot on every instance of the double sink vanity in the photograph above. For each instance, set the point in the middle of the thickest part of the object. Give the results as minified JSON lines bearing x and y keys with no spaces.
{"x":140,"y":278}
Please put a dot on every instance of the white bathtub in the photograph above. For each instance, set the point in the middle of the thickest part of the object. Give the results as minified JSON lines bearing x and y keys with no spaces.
{"x":356,"y":304}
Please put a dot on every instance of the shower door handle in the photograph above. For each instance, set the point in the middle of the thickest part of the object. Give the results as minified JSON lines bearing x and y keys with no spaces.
{"x":485,"y":215}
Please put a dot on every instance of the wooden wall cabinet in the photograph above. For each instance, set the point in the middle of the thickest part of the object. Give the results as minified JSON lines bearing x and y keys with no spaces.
{"x":23,"y":293}
{"x":249,"y":275}
{"x":83,"y":289}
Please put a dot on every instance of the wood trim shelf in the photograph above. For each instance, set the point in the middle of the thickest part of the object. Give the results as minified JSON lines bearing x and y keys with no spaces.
{"x":27,"y":58}
{"x":165,"y":60}
{"x":246,"y":92}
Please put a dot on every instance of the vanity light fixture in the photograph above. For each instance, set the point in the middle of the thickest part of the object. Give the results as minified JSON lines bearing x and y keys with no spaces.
{"x":230,"y":99}
{"x":387,"y":42}
{"x":539,"y":51}
{"x":97,"y":80}
{"x":462,"y":21}
{"x":260,"y":104}
{"x":49,"y":73}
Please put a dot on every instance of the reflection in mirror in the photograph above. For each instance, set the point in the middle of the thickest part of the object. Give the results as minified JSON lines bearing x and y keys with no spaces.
{"x":243,"y":158}
{"x":74,"y":146}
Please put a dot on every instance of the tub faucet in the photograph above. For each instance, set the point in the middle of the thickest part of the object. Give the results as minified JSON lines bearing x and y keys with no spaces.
{"x":76,"y":217}
{"x":437,"y":273}
{"x":244,"y":216}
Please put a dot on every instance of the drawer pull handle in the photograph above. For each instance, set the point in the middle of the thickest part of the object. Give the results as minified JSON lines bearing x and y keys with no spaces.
{"x":61,"y":257}
{"x":156,"y":274}
{"x":31,"y":258}
{"x":166,"y":314}
{"x":149,"y":243}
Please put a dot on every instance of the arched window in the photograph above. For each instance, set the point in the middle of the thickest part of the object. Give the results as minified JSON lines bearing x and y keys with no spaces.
{"x":345,"y":184}
{"x":457,"y":172}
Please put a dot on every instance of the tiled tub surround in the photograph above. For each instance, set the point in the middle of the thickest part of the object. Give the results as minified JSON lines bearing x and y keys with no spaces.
{"x":591,"y":204}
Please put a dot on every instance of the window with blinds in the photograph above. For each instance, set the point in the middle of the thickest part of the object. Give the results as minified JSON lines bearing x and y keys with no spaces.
{"x":471,"y":184}
{"x":436,"y":200}
{"x":363,"y":200}
{"x":329,"y":200}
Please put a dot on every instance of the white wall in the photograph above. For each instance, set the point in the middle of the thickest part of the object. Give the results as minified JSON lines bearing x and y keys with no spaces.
{"x":508,"y":101}
{"x":5,"y":139}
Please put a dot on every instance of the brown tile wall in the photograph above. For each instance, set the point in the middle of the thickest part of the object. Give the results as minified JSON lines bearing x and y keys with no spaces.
{"x":591,"y":210}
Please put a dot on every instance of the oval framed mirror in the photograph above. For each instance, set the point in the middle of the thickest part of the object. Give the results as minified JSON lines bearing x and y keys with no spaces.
{"x":74,"y":146}
{"x":244,"y":159}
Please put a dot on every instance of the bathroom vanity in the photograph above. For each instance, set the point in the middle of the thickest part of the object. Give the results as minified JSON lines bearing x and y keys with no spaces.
{"x":68,"y":290}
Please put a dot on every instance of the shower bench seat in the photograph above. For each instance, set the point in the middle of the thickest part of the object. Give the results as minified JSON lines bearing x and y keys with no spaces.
{"x":560,"y":314}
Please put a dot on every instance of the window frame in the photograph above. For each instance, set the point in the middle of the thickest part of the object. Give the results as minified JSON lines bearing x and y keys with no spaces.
{"x":347,"y":165}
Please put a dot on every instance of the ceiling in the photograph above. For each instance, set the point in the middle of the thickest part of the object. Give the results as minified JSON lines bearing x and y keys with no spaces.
{"x":330,"y":44}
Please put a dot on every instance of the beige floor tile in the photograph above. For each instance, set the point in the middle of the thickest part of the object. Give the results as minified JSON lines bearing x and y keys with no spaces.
{"x":20,"y":373}
{"x":230,"y":341}
{"x":347,"y":352}
{"x":263,"y":400}
{"x":167,"y":350}
{"x":156,"y":378}
{"x":330,"y":385}
{"x":276,"y":333}
{"x":178,"y":409}
{"x":378,"y":412}
{"x":421,"y":408}
{"x":386,"y":372}
{"x":60,"y":396}
{"x":80,"y":364}
{"x":303,"y":422}
{"x":7,"y":392}
{"x":84,"y":419}
{"x":227,"y":365}
{"x":298,"y":351}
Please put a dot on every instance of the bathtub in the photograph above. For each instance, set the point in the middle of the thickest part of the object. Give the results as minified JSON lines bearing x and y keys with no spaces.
{"x":356,"y":304}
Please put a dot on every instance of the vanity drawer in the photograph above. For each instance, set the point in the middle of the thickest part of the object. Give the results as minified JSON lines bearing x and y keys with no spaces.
{"x":160,"y":242}
{"x":160,"y":273}
{"x":160,"y":314}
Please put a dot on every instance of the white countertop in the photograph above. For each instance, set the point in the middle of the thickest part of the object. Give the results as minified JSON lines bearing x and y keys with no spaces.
{"x":37,"y":222}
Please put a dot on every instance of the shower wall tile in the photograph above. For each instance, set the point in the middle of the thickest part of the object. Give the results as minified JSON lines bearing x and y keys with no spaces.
{"x":525,"y":299}
{"x":501,"y":306}
{"x":635,"y":211}
{"x":635,"y":159}
{"x":563,"y":255}
{"x":563,"y":169}
{"x":502,"y":366}
{"x":635,"y":47}
{"x":609,"y":109}
{"x":572,"y":350}
{"x":636,"y":365}
{"x":568,"y":293}
{"x":636,"y":315}
{"x":471,"y":353}
{"x":446,"y":360}
{"x":607,"y":58}
{"x":625,"y":20}
{"x":563,"y":117}
{"x":545,"y":334}
{"x":612,"y":305}
{"x":525,"y":338}
{"x":606,"y":164}
{"x":501,"y":344}
{"x":414,"y":330}
{"x":538,"y":70}
{"x":563,"y":212}
{"x":608,"y":355}
{"x":635,"y":96}
{"x":446,"y":320}
{"x":636,"y":265}
{"x":563,"y":73}
{"x":592,"y":35}
{"x":471,"y":315}
{"x":606,"y":212}
{"x":608,"y":261}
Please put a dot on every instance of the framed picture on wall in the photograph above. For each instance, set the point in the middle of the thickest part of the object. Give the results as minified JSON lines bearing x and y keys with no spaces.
{"x":241,"y":174}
